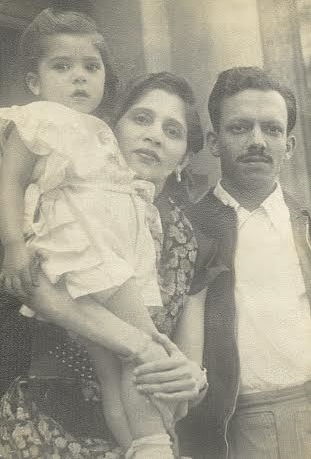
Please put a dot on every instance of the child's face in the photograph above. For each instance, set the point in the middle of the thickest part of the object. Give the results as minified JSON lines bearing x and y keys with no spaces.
{"x":71,"y":72}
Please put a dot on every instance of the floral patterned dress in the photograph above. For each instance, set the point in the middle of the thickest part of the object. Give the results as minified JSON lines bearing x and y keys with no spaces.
{"x":37,"y":414}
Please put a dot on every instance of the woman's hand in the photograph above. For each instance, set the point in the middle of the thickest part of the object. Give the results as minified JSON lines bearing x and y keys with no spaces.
{"x":172,"y":379}
{"x":20,"y":269}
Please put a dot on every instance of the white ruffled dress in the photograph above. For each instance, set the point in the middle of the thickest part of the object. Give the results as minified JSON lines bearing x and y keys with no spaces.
{"x":84,"y":210}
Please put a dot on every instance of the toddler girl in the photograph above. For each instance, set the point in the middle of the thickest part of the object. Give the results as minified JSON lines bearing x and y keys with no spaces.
{"x":67,"y":194}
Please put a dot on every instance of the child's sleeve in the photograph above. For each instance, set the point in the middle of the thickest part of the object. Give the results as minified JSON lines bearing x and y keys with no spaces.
{"x":35,"y":124}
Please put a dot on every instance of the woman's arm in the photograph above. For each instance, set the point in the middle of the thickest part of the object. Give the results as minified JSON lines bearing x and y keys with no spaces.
{"x":89,"y":319}
{"x":189,"y":335}
{"x":15,"y":175}
{"x":180,"y":377}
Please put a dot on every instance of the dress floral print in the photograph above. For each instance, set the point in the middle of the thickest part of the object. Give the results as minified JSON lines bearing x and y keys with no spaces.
{"x":28,"y":432}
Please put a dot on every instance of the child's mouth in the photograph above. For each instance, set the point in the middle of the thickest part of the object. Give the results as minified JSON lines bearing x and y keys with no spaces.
{"x":80,"y":95}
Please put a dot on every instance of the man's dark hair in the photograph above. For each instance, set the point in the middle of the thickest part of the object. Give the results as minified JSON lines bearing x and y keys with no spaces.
{"x":239,"y":79}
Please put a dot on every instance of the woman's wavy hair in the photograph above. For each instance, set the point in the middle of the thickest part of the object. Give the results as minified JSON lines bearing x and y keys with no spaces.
{"x":172,"y":84}
{"x":55,"y":20}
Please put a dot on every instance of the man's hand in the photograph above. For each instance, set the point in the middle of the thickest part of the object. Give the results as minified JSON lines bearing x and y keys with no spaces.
{"x":20,"y":269}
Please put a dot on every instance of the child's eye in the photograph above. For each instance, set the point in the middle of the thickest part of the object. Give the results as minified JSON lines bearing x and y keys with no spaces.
{"x":93,"y":66}
{"x":61,"y":66}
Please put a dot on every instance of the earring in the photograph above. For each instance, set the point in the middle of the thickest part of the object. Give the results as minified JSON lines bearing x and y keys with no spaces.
{"x":177,"y":173}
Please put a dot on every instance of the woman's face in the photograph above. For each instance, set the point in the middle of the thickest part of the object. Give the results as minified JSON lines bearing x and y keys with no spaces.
{"x":152,"y":135}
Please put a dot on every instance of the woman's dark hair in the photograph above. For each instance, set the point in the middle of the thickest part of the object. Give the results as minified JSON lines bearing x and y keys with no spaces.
{"x":52,"y":21}
{"x":239,"y":79}
{"x":172,"y":84}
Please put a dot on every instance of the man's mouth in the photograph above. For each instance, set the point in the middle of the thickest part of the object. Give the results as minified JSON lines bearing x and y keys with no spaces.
{"x":147,"y":155}
{"x":255,"y":158}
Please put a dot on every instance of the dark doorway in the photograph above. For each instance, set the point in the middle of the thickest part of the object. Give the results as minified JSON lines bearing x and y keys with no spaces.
{"x":11,"y":86}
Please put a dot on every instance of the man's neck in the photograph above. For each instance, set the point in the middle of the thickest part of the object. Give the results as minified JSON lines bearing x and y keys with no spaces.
{"x":251,"y":197}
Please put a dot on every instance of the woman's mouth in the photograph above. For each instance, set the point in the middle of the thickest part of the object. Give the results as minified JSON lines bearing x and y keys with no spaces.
{"x":148,"y":156}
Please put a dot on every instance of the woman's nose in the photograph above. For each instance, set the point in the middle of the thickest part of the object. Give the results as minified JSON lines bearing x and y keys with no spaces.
{"x":154,"y":134}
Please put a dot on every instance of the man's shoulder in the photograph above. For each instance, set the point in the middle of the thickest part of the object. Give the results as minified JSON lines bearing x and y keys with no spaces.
{"x":210,"y":214}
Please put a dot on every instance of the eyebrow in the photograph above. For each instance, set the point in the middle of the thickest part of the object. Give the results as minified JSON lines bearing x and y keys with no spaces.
{"x":151,"y":111}
{"x":64,"y":57}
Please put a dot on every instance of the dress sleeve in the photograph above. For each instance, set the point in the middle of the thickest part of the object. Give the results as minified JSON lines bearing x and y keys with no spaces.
{"x":38,"y":125}
{"x":206,"y":268}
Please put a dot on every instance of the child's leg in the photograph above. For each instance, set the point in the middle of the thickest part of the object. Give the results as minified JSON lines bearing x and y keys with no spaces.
{"x":146,"y":417}
{"x":108,"y":370}
{"x":144,"y":420}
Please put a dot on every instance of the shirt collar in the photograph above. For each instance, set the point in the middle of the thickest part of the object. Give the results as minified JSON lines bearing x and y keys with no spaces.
{"x":274,"y":205}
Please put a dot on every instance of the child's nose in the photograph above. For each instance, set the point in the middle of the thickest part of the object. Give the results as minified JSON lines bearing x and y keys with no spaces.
{"x":79,"y":75}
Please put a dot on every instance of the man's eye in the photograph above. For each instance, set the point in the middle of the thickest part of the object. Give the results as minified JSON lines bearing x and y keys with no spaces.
{"x":61,"y":66}
{"x":93,"y":67}
{"x":274,"y":130}
{"x":238,"y":129}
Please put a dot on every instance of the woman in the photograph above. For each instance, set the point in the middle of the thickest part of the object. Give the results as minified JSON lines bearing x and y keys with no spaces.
{"x":154,"y":111}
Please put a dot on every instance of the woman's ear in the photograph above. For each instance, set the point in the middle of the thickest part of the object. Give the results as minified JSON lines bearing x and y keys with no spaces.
{"x":290,"y":146}
{"x":212,"y":143}
{"x":33,"y":83}
{"x":186,"y":160}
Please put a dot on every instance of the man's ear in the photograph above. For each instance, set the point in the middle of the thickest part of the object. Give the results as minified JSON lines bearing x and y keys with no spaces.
{"x":33,"y":83}
{"x":290,"y":146}
{"x":212,"y":143}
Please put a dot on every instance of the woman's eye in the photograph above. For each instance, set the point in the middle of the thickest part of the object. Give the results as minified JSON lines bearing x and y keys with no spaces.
{"x":174,"y":131}
{"x":142,"y":118}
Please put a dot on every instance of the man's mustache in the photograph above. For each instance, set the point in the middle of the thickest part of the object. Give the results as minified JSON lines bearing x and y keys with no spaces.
{"x":255,"y":153}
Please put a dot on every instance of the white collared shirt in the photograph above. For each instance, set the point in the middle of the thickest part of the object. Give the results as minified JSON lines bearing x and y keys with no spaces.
{"x":273,"y":311}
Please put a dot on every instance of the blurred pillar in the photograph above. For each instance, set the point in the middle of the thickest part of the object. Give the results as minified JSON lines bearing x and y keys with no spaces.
{"x":283,"y":58}
{"x":156,"y":35}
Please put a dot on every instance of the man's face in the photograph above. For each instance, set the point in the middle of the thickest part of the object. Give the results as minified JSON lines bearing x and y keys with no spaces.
{"x":252,"y":142}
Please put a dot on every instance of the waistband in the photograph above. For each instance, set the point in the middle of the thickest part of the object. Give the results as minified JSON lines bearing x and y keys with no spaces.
{"x":303,"y":391}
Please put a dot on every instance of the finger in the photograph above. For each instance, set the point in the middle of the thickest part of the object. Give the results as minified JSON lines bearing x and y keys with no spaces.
{"x":17,"y":287}
{"x":8,"y":285}
{"x":26,"y":281}
{"x":169,"y":387}
{"x":176,"y":396}
{"x":164,"y":340}
{"x":164,"y":376}
{"x":158,"y":365}
{"x":34,"y":271}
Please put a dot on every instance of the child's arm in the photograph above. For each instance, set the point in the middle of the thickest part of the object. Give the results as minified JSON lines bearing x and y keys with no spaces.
{"x":15,"y":175}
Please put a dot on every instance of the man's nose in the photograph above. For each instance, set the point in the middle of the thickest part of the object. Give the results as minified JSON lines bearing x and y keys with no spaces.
{"x":258,"y":137}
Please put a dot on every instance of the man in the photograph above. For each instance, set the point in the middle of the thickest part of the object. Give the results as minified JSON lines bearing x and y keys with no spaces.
{"x":257,"y":323}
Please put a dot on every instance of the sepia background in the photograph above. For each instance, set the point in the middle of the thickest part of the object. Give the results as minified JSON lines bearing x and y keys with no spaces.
{"x":196,"y":39}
